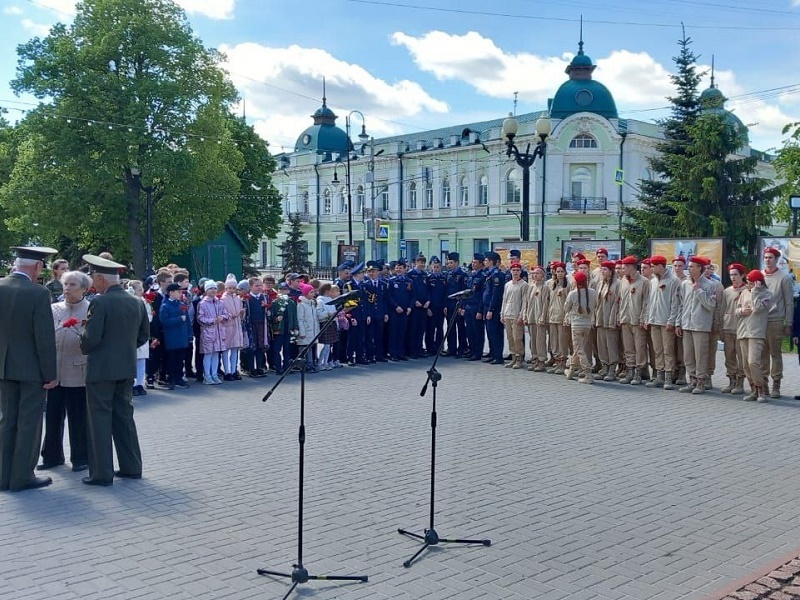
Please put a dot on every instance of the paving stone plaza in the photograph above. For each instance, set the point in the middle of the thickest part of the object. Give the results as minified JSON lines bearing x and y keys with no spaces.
{"x":587,"y":492}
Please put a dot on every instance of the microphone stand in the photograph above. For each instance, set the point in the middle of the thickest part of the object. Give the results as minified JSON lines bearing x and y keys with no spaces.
{"x":299,"y":573}
{"x":429,"y":536}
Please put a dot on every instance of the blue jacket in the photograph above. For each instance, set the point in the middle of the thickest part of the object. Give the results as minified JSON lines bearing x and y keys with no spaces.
{"x":475,"y":282}
{"x":437,"y":289}
{"x":399,"y":294}
{"x":173,"y":327}
{"x":374,"y":299}
{"x":493,"y":290}
{"x":419,"y":286}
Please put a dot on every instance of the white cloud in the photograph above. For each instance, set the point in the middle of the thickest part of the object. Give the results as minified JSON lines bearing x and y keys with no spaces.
{"x":281,"y":85}
{"x":213,"y":9}
{"x":38,"y":29}
{"x":12,"y":10}
{"x":65,"y":8}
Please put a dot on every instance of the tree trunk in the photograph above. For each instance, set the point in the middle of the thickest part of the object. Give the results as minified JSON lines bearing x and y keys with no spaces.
{"x":133,"y":196}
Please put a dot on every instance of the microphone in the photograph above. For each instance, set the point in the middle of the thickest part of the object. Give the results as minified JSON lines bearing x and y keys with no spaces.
{"x":462,"y":295}
{"x":338,"y":301}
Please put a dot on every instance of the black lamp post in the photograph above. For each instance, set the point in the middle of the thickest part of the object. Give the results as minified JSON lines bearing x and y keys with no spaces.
{"x":363,"y":137}
{"x":136,"y":172}
{"x":526,"y":160}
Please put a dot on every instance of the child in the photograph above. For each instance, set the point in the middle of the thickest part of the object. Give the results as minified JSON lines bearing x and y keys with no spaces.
{"x":752,"y":308}
{"x":172,"y":315}
{"x":579,"y":310}
{"x":232,"y":305}
{"x":210,"y":316}
{"x":330,"y":335}
{"x":136,"y":288}
{"x":308,"y":323}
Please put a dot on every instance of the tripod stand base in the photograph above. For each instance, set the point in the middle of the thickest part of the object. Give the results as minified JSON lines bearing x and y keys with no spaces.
{"x":431,"y":538}
{"x":300,"y":574}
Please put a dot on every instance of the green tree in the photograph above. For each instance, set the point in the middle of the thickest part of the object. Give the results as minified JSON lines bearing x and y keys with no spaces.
{"x":294,"y":251}
{"x":127,"y":87}
{"x":8,"y":152}
{"x":654,"y":216}
{"x":788,"y":166}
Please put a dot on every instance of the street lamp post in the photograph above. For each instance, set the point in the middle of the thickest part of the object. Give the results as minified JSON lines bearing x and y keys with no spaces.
{"x":136,"y":172}
{"x":363,"y":137}
{"x":526,"y":160}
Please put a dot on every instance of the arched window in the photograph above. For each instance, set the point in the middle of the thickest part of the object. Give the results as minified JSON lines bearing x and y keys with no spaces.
{"x":463,"y":193}
{"x":327,"y":205}
{"x":483,"y":191}
{"x":359,"y":207}
{"x":342,"y":201}
{"x":412,"y":196}
{"x":428,"y":195}
{"x":513,"y":188}
{"x":583,"y":141}
{"x":445,"y":193}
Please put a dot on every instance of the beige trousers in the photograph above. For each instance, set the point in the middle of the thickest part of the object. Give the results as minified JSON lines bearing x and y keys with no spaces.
{"x":734,"y":363}
{"x":538,"y":341}
{"x":608,"y":345}
{"x":515,"y":333}
{"x":752,"y":351}
{"x":772,"y":359}
{"x":558,"y":341}
{"x":695,"y":353}
{"x":582,"y":344}
{"x":664,"y":347}
{"x":634,"y":341}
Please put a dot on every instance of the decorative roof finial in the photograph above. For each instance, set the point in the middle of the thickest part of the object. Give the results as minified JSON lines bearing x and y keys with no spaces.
{"x":580,"y":43}
{"x":712,"y":72}
{"x":324,"y":99}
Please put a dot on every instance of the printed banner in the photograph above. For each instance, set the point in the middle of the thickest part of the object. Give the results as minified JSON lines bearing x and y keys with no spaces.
{"x":589,"y":249}
{"x":790,"y":253}
{"x":713,"y":248}
{"x":530,"y":252}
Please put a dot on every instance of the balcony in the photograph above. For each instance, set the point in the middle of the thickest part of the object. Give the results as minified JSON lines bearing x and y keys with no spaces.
{"x":304,"y":217}
{"x":583,"y":203}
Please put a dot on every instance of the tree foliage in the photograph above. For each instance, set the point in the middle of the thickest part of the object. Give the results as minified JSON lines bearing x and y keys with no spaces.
{"x":294,"y":250}
{"x":788,"y":166}
{"x":131,"y":99}
{"x":8,"y":151}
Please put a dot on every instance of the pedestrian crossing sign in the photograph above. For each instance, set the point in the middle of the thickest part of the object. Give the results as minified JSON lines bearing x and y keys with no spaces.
{"x":382,"y":232}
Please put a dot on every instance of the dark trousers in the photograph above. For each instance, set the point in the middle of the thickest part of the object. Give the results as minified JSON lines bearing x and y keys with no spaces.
{"x":111,"y":420}
{"x":374,"y":340}
{"x":198,"y":358}
{"x":475,"y":333}
{"x":341,"y":350}
{"x":155,"y":363}
{"x":69,"y":402}
{"x":280,"y":352}
{"x":356,"y":341}
{"x":416,"y":331}
{"x":397,"y":334}
{"x":188,"y":354}
{"x":434,"y":329}
{"x":494,"y":334}
{"x":173,"y":361}
{"x":21,"y":404}
{"x":457,"y":338}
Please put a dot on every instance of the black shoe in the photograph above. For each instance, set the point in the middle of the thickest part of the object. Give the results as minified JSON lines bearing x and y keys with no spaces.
{"x":472,"y":358}
{"x":488,"y":360}
{"x":45,"y":466}
{"x":236,"y":377}
{"x":77,"y":468}
{"x":163,"y":384}
{"x":182,"y":385}
{"x":90,"y":481}
{"x":497,"y":361}
{"x":135,"y":391}
{"x":150,"y":384}
{"x":191,"y":374}
{"x":127,"y":475}
{"x":35,"y":483}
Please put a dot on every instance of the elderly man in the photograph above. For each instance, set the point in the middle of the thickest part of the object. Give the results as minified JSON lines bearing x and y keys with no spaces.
{"x":27,"y":368}
{"x":116,"y":326}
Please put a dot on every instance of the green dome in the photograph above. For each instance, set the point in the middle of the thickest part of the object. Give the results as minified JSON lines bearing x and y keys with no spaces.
{"x":712,"y":101}
{"x":323,"y":136}
{"x":583,"y":95}
{"x":712,"y":98}
{"x":581,"y":60}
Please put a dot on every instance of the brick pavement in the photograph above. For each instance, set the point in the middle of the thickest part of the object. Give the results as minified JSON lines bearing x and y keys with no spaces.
{"x":606,"y":492}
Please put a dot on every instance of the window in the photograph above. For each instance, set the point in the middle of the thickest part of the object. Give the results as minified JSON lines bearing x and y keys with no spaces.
{"x":263,"y":261}
{"x":384,"y":202}
{"x":581,"y":182}
{"x":342,"y":202}
{"x":304,"y":208}
{"x":513,"y":189}
{"x":483,"y":191}
{"x":463,"y":193}
{"x":327,"y":204}
{"x":359,"y":206}
{"x":412,"y":196}
{"x":325,"y":255}
{"x":583,"y":141}
{"x":480,"y":245}
{"x":445,"y":193}
{"x":412,"y":248}
{"x":428,"y":196}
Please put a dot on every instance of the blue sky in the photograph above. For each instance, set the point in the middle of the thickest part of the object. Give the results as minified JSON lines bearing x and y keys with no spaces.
{"x":411,"y":65}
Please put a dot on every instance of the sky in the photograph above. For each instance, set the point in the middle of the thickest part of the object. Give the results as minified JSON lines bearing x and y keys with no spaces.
{"x":412,"y":65}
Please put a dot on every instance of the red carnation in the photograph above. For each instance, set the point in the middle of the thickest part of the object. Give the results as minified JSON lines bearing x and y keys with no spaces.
{"x":71,"y":322}
{"x":150,"y":296}
{"x":633,"y":290}
{"x":662,"y":286}
{"x":184,"y":308}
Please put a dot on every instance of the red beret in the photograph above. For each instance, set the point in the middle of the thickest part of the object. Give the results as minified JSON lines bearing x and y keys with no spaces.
{"x":680,"y":258}
{"x":578,"y":256}
{"x":580,"y":278}
{"x":602,"y":251}
{"x":630,"y":260}
{"x":617,"y":263}
{"x":646,"y":261}
{"x":557,"y":263}
{"x":755,"y":275}
{"x":700,"y":260}
{"x":657,"y":259}
{"x":537,"y":267}
{"x":584,"y":261}
{"x":774,"y":251}
{"x":738,"y":267}
{"x":515,"y":265}
{"x":608,"y":264}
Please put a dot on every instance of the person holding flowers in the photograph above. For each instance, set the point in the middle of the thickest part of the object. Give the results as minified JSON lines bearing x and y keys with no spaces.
{"x":173,"y":317}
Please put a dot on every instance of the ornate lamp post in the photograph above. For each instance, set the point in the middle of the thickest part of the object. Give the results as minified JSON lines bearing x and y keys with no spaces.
{"x":363,"y":137}
{"x":526,"y":160}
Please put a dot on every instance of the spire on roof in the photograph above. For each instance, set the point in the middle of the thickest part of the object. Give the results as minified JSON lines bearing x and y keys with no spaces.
{"x":712,"y":72}
{"x":580,"y":42}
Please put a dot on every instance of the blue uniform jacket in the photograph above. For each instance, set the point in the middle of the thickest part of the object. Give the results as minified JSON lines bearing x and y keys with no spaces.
{"x":374,"y":298}
{"x":437,"y":289}
{"x":399,"y":293}
{"x":475,"y":282}
{"x":419,"y":286}
{"x":493,"y":290}
{"x":173,"y":327}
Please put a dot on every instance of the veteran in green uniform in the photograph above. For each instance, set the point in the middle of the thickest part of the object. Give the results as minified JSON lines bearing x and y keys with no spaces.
{"x":27,"y":368}
{"x":116,"y":326}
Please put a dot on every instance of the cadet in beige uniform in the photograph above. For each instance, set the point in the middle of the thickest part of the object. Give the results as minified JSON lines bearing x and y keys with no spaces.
{"x":633,"y":290}
{"x":512,"y":312}
{"x":679,"y":270}
{"x":536,"y":310}
{"x":579,"y":312}
{"x":716,"y":329}
{"x":663,"y":303}
{"x":779,"y":322}
{"x":734,"y":361}
{"x":752,"y":308}
{"x":559,"y":344}
{"x":606,"y":321}
{"x":694,"y":324}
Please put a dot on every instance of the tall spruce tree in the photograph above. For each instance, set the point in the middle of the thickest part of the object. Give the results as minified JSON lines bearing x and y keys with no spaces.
{"x":654,"y":217}
{"x":294,"y":251}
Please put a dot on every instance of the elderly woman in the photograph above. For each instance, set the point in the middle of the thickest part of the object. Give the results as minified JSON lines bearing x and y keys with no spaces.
{"x":68,"y":398}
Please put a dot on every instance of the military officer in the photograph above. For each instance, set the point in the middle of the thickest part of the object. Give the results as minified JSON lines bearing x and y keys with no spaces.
{"x":492,"y":302}
{"x":456,"y":281}
{"x":116,"y":326}
{"x":342,"y":281}
{"x":27,"y":368}
{"x":374,"y":300}
{"x":437,"y":294}
{"x":399,"y":301}
{"x":356,"y":336}
{"x":419,"y":308}
{"x":473,"y":313}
